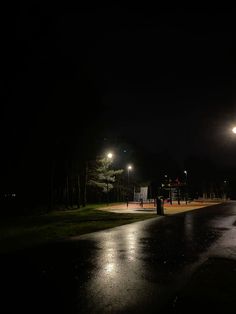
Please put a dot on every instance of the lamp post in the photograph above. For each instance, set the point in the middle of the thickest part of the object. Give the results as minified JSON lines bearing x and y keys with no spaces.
{"x":129,"y":168}
{"x":186,"y":182}
{"x":169,"y":187}
{"x":225,"y":190}
{"x":186,"y":174}
{"x":109,"y":158}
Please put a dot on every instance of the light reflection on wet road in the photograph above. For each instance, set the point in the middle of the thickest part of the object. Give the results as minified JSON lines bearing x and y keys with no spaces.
{"x":132,"y":268}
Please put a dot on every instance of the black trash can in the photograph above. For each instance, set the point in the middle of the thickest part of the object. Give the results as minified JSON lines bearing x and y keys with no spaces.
{"x":159,"y":206}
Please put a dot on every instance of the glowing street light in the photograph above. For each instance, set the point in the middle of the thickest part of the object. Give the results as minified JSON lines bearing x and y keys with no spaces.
{"x":186,"y":173}
{"x":186,"y":197}
{"x":109,"y":155}
{"x":109,"y":159}
{"x":234,"y":130}
{"x":129,"y":167}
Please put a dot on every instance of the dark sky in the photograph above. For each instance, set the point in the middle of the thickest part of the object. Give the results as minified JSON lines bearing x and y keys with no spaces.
{"x":161,"y":80}
{"x":168,"y":75}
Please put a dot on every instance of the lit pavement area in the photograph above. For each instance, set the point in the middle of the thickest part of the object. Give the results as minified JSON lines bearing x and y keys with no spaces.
{"x":150,"y":208}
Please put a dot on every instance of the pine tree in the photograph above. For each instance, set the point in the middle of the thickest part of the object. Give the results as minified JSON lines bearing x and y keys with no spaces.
{"x":102,"y":175}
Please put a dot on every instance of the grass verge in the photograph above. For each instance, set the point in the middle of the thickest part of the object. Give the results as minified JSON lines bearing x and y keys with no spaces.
{"x":22,"y":232}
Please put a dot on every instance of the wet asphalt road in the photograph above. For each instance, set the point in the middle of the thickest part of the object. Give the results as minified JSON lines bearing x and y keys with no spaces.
{"x":136,"y":268}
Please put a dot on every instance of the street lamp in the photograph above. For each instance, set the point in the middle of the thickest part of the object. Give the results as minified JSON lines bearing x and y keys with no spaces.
{"x":186,"y":173}
{"x":225,"y":190}
{"x":168,"y":186}
{"x":109,"y":159}
{"x":109,"y":155}
{"x":234,"y":130}
{"x":129,"y":168}
{"x":186,"y":179}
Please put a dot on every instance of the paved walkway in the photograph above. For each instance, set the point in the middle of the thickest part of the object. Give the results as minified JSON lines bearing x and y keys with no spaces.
{"x":150,"y":208}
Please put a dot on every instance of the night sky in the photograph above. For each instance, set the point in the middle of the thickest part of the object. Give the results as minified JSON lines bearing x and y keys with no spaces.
{"x":156,"y":82}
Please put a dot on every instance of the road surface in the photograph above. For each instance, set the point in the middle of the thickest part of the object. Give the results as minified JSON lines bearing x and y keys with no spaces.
{"x":135,"y":268}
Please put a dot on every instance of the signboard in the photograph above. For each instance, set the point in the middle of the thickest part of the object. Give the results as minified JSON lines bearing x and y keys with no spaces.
{"x":143,"y":194}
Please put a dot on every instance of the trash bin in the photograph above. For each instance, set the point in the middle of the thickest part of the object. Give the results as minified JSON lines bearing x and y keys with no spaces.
{"x":159,"y":206}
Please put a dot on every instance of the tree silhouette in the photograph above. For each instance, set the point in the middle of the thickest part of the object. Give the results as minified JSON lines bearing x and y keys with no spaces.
{"x":102,"y":176}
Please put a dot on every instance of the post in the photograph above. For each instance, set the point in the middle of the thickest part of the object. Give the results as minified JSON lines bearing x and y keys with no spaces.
{"x":170,"y":196}
{"x":127,"y":201}
{"x":107,"y":194}
{"x":159,"y":206}
{"x":178,"y":195}
{"x":78,"y":191}
{"x":129,"y":167}
{"x":186,"y":186}
{"x":85,"y":184}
